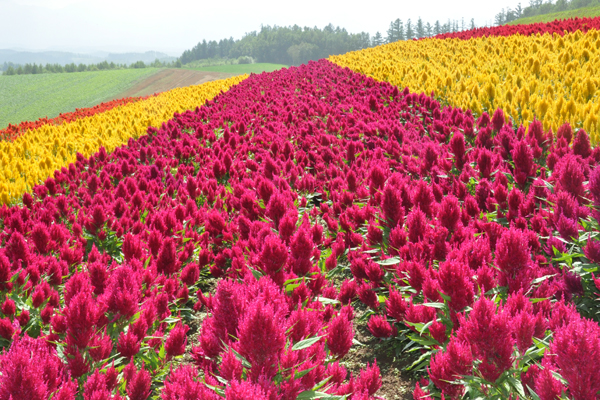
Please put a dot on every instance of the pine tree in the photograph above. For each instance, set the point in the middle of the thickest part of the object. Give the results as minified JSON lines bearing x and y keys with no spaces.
{"x":428,"y":30}
{"x":410,"y":34}
{"x":377,"y":39}
{"x":400,"y":29}
{"x":518,"y":11}
{"x":500,"y":18}
{"x":420,"y":28}
{"x":437,"y":28}
{"x":396,"y":31}
{"x":391,"y":34}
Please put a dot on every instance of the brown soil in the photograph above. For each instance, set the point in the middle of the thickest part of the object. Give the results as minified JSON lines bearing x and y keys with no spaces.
{"x":397,"y":383}
{"x":167,"y":79}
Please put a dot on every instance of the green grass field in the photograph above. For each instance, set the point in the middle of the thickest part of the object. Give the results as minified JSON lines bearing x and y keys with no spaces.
{"x":29,"y":97}
{"x":240,"y":69}
{"x":580,"y":12}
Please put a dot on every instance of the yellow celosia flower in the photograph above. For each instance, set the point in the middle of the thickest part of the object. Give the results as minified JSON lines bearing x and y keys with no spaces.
{"x":548,"y":77}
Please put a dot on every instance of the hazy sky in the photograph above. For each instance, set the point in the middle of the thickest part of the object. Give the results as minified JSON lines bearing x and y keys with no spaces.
{"x":175,"y":25}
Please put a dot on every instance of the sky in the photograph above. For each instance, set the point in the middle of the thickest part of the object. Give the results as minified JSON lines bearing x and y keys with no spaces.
{"x":172,"y":26}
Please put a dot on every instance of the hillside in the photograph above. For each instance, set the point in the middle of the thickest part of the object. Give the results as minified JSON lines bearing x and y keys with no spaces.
{"x":239,"y":69}
{"x":585,"y":12}
{"x":29,"y":97}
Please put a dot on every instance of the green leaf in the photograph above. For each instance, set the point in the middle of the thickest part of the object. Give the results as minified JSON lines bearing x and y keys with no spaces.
{"x":325,"y":301}
{"x":434,"y":305}
{"x":303,"y":372}
{"x":389,"y":261}
{"x":240,"y":357}
{"x":257,"y":274}
{"x":306,"y":343}
{"x":313,"y":394}
{"x":423,"y":341}
{"x":515,"y":384}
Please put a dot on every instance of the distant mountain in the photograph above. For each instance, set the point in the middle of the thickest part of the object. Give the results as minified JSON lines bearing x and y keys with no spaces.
{"x":63,"y":57}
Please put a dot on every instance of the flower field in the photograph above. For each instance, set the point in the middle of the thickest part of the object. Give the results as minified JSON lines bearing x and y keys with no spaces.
{"x":12,"y":132}
{"x":34,"y":155}
{"x":226,"y":240}
{"x":529,"y":75}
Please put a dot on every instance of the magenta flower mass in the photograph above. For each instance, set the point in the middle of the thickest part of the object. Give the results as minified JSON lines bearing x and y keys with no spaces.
{"x":315,"y":200}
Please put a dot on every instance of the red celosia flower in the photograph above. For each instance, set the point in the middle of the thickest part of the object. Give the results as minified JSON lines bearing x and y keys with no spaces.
{"x":8,"y":307}
{"x":177,"y":340}
{"x":340,"y":335}
{"x":82,"y":314}
{"x":449,"y":212}
{"x":276,"y":208}
{"x":581,"y":144}
{"x":512,"y":253}
{"x":122,"y":293}
{"x":40,"y":238}
{"x":577,"y":349}
{"x":546,"y":386}
{"x":523,"y":159}
{"x":592,"y":250}
{"x":395,"y":305}
{"x":129,"y":344}
{"x":417,"y":225}
{"x":245,"y":390}
{"x":273,"y":258}
{"x":447,"y":367}
{"x":348,"y":291}
{"x":183,"y":384}
{"x":391,"y":205}
{"x":261,"y":339}
{"x":138,"y":387}
{"x":231,"y":367}
{"x":166,"y":262}
{"x":31,"y":370}
{"x":489,"y":335}
{"x":380,"y":327}
{"x":455,"y":282}
{"x":498,"y":120}
{"x":368,"y":296}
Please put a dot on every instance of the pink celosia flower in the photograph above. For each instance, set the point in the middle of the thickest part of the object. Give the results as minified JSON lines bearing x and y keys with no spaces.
{"x":380,"y":327}
{"x":138,"y":386}
{"x":177,"y":340}
{"x":261,"y":339}
{"x":340,"y":335}
{"x":449,"y":366}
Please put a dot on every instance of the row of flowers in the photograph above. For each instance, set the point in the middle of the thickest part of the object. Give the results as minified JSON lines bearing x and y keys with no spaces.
{"x":11,"y":132}
{"x":34,"y":156}
{"x":317,"y":196}
{"x":550,"y":78}
{"x":558,"y":27}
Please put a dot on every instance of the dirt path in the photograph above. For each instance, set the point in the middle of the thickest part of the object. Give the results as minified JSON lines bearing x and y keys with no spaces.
{"x":167,"y":79}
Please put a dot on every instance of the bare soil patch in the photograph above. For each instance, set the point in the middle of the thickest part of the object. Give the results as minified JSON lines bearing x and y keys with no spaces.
{"x":397,"y":383}
{"x":167,"y":79}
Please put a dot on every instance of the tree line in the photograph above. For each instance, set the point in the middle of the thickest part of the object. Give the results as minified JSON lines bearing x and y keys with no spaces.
{"x":540,"y":7}
{"x":290,"y":45}
{"x":29,"y":69}
{"x":293,"y":45}
{"x":399,"y":30}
